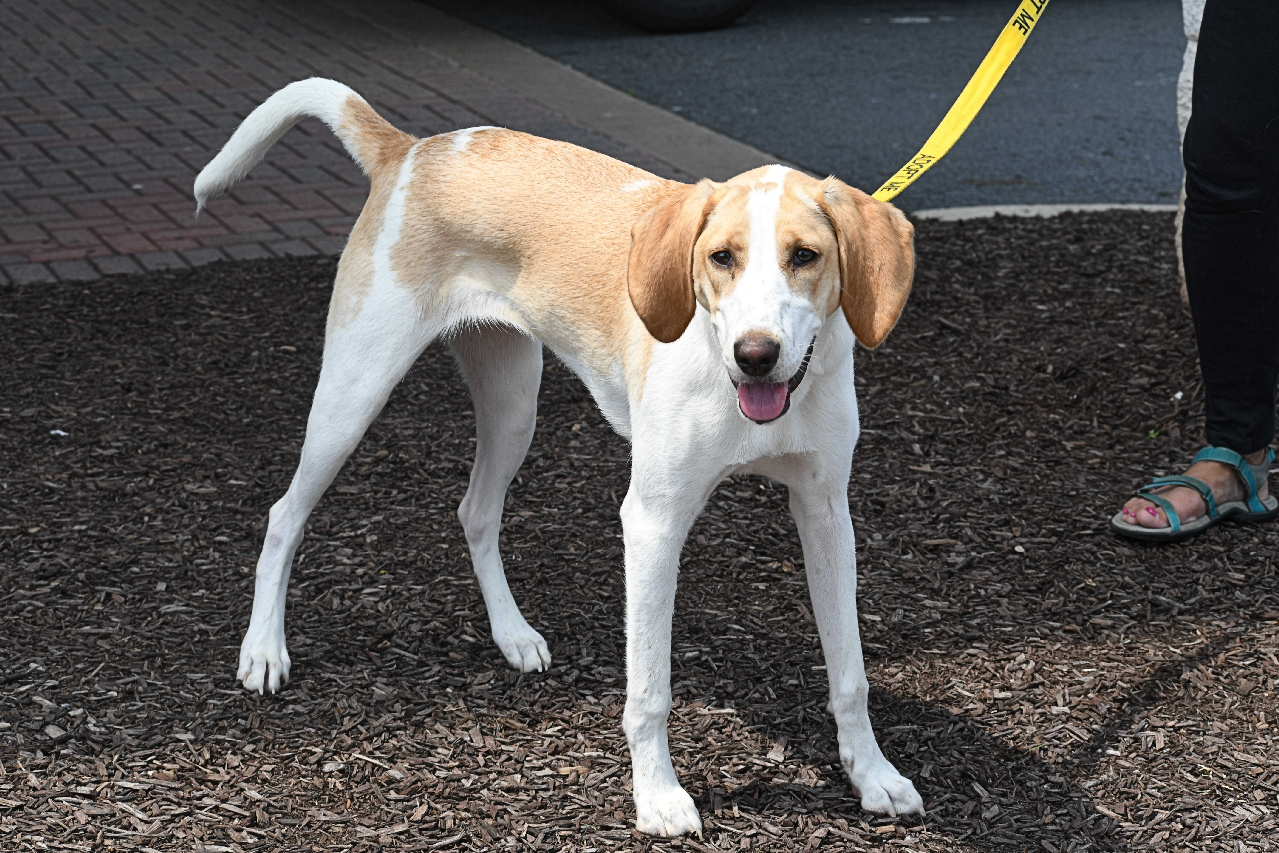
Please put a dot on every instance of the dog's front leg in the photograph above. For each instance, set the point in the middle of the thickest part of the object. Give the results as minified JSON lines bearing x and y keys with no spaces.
{"x":654,"y":523}
{"x":820,"y":508}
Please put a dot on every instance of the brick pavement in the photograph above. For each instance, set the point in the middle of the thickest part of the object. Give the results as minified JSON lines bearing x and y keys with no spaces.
{"x":109,"y":108}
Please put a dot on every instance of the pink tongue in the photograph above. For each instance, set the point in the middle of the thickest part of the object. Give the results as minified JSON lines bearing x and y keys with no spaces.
{"x":761,"y":401}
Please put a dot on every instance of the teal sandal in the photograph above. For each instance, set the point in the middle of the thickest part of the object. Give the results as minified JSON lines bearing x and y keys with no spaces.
{"x":1248,"y":511}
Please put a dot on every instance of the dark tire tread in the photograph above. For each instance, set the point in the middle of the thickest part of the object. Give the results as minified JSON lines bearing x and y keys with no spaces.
{"x":679,"y":16}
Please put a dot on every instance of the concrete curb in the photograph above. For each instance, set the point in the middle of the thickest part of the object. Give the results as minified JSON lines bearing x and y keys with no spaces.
{"x":958,"y":214}
{"x":676,"y":141}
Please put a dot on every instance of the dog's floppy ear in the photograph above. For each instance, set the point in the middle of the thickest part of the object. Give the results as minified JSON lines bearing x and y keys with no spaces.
{"x":659,"y":275}
{"x":876,"y":259}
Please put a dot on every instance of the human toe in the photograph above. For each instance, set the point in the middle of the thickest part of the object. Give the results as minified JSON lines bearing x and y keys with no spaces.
{"x":1143,"y":513}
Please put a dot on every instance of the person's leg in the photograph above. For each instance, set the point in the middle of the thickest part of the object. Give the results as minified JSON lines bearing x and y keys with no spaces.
{"x":1231,"y":242}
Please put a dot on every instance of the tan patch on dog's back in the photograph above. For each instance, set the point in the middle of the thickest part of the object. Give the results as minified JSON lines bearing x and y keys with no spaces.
{"x":380,"y":143}
{"x":382,"y":149}
{"x":543,"y":225}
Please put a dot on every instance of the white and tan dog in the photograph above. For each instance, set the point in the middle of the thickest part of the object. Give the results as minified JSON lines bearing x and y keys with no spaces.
{"x":713,"y":323}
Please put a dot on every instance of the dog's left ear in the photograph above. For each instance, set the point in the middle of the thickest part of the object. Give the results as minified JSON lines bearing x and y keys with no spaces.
{"x":659,"y":275}
{"x":876,"y":259}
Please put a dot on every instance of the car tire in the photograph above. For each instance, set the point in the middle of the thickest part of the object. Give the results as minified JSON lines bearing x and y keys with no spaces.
{"x":679,"y":16}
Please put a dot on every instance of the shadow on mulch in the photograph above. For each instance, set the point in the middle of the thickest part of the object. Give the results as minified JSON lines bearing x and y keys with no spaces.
{"x":1047,"y":686}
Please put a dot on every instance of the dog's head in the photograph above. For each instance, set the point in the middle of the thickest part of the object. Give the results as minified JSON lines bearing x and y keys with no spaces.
{"x":770,"y":255}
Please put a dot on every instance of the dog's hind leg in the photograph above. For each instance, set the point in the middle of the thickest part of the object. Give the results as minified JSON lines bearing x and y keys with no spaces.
{"x":503,"y":369}
{"x":363,"y":361}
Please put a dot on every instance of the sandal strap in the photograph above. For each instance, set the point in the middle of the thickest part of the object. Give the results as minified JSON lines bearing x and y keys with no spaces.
{"x":1248,"y":473}
{"x":1204,"y":490}
{"x":1163,"y":503}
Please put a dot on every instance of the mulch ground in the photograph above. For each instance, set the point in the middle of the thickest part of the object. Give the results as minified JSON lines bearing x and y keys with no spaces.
{"x":1046,"y":686}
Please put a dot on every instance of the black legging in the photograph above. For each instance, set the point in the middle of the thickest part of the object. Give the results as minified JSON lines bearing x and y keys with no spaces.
{"x":1230,"y":236}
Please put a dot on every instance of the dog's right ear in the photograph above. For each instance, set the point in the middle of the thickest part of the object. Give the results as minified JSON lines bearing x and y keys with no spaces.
{"x":876,"y":257}
{"x":659,"y":274}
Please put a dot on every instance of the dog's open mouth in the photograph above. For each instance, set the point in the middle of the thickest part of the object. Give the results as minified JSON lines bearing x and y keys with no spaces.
{"x":767,"y":401}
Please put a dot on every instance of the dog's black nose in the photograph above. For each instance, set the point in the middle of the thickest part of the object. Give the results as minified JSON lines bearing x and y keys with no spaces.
{"x":756,"y":356}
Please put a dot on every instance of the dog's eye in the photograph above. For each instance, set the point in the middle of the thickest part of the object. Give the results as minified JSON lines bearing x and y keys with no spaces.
{"x":723,"y":258}
{"x":802,"y":257}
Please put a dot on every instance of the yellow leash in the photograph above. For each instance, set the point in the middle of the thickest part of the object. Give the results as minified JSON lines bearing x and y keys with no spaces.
{"x":971,"y":100}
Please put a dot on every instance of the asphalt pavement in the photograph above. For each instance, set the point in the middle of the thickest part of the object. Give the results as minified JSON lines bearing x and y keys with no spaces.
{"x":1087,"y":113}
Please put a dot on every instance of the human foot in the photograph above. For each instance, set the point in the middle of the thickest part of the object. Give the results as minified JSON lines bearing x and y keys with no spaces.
{"x":1188,"y":503}
{"x":1220,"y":485}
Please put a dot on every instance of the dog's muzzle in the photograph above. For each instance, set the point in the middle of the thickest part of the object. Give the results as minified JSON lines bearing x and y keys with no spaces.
{"x":764,"y":402}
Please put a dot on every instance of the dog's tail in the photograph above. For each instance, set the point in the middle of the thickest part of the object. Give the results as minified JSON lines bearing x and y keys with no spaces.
{"x":370,"y":139}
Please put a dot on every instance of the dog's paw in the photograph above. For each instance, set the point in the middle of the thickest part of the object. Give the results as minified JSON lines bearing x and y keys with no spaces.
{"x":523,"y":648}
{"x":264,"y":663}
{"x":885,"y":791}
{"x":669,"y":812}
